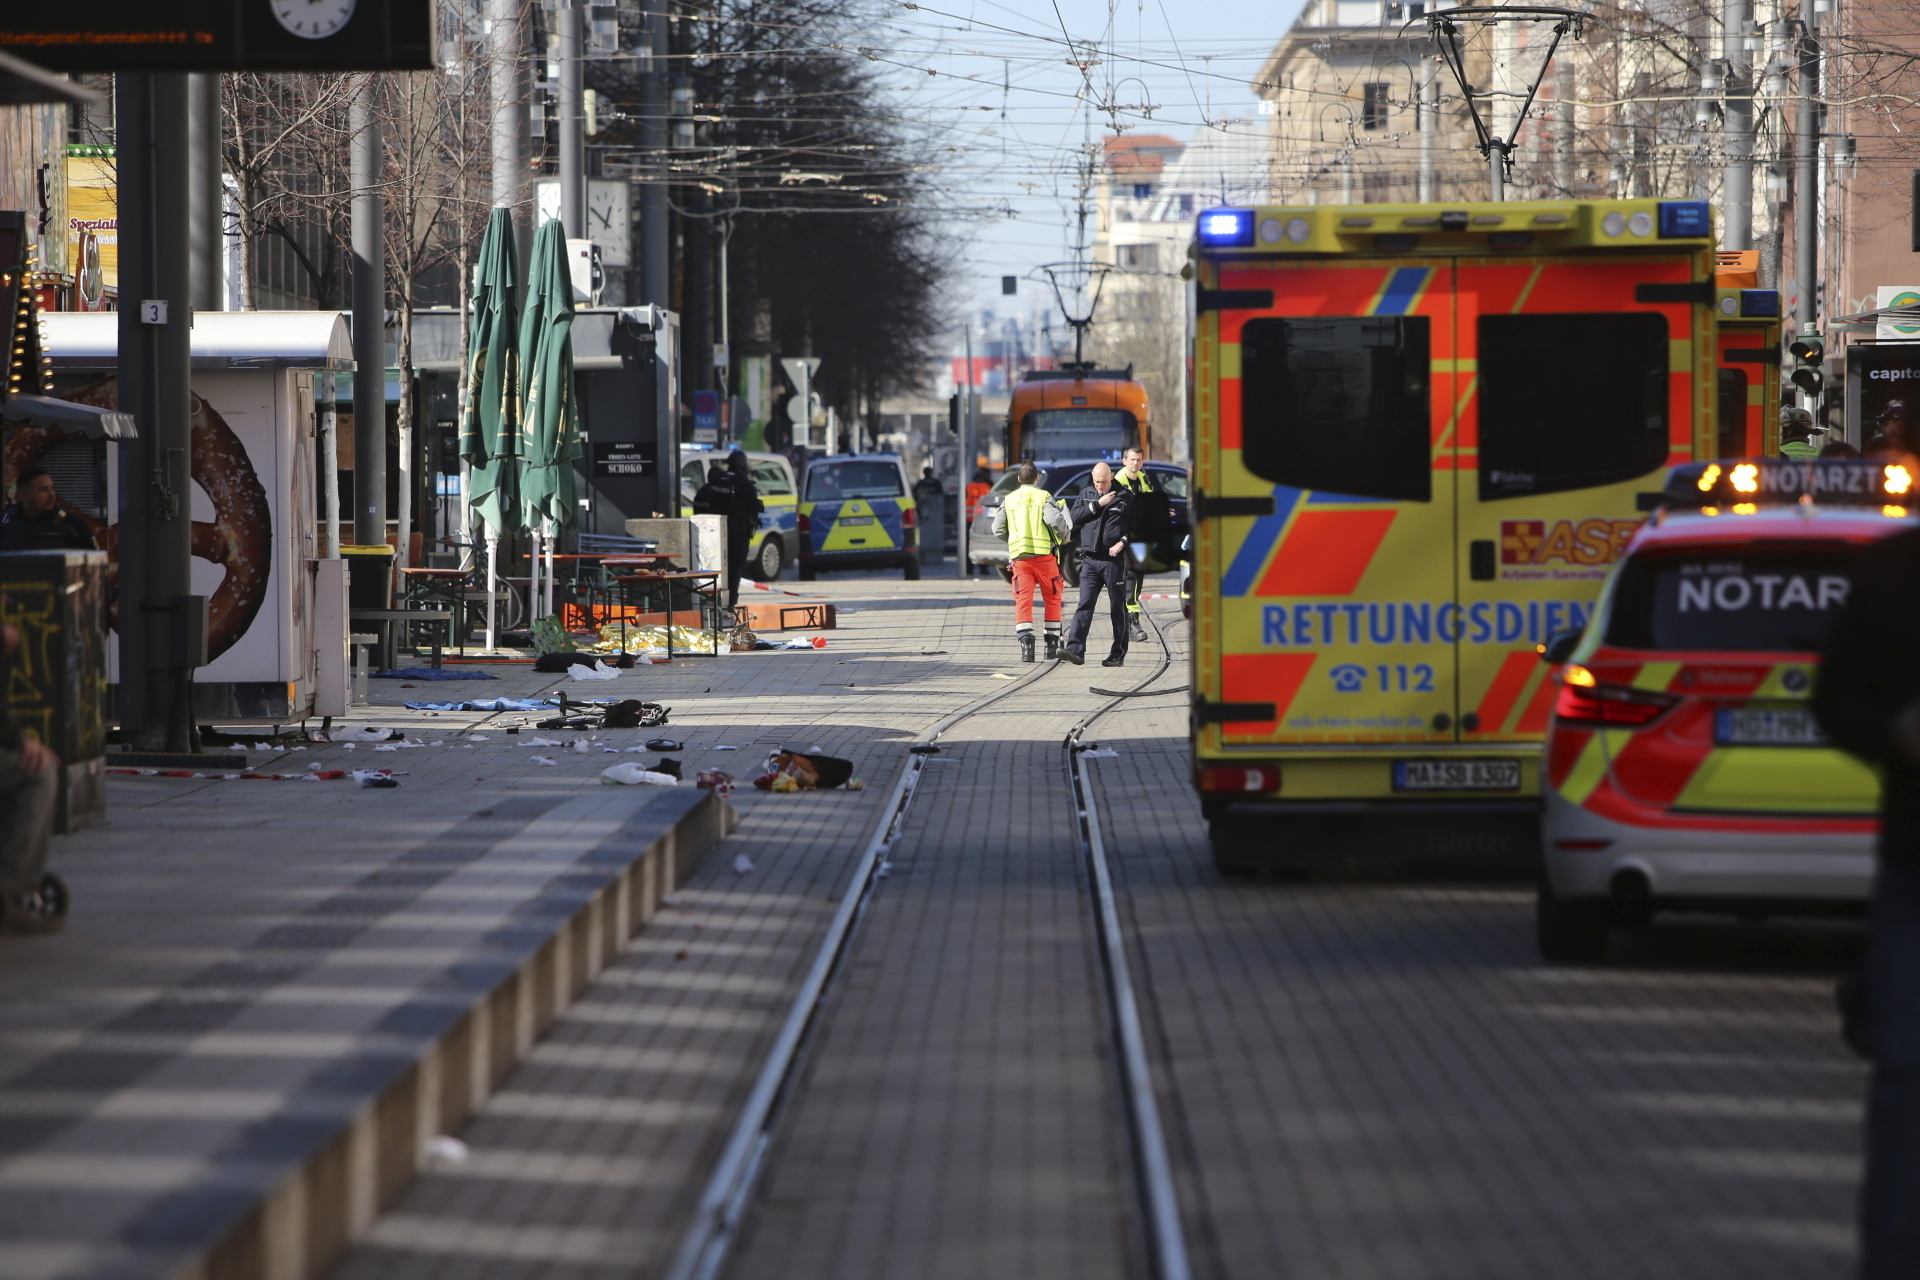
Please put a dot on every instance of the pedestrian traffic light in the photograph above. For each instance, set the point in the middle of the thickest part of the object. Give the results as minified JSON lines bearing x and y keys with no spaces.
{"x":1809,"y":354}
{"x":953,"y":413}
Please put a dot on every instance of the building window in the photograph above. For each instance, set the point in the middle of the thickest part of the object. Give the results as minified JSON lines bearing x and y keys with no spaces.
{"x":1373,"y":106}
{"x":1186,"y":204}
{"x":1139,"y":257}
{"x":1142,"y":190}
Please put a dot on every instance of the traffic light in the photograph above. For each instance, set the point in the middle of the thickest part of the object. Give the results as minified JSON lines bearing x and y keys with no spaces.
{"x":1809,"y":355}
{"x":953,"y":413}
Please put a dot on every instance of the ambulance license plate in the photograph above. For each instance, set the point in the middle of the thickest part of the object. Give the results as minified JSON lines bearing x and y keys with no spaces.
{"x":1767,"y":727}
{"x":856,"y":520}
{"x":1456,"y":775}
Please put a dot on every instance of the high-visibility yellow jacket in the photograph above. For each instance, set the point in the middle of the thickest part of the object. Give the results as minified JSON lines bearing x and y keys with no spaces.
{"x":1031,"y":522}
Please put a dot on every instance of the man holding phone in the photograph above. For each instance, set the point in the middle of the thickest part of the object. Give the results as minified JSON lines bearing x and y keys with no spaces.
{"x":1100,"y":519}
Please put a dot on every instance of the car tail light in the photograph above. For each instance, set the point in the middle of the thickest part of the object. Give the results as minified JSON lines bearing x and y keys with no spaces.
{"x":1589,"y":703}
{"x":1260,"y":778}
{"x":907,"y":518}
{"x":806,"y":524}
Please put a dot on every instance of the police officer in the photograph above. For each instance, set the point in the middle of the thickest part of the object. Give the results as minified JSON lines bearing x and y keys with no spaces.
{"x":1030,"y":522}
{"x":1150,"y":517}
{"x":1100,"y":519}
{"x":730,"y":492}
{"x":37,"y":520}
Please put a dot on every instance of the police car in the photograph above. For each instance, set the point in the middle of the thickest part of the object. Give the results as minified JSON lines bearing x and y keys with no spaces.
{"x":1684,"y":767}
{"x":776,"y":543}
{"x":857,"y":512}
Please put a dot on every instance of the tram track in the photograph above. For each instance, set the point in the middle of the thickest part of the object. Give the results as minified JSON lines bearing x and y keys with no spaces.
{"x":725,"y":1199}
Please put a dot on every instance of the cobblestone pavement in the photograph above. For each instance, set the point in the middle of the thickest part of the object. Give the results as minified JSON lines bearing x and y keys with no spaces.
{"x":1367,"y":1073}
{"x":1371,"y":1074}
{"x":206,"y":972}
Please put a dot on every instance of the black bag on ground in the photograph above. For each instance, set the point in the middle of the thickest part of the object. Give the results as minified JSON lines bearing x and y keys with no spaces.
{"x":831,"y":770}
{"x":634,"y":714}
{"x":561,"y":659}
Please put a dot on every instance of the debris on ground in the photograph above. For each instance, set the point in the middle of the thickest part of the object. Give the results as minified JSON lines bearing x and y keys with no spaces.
{"x":635,"y":775}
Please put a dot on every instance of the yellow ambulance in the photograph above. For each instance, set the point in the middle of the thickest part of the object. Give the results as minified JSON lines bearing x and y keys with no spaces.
{"x":1420,"y":437}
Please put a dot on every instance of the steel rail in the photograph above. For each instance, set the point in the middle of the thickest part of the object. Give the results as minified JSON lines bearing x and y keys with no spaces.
{"x":703,"y":1247}
{"x":1159,"y":1198}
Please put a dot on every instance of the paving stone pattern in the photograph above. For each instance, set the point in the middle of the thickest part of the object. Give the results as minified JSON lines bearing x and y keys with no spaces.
{"x":234,"y":941}
{"x":1370,"y":1074}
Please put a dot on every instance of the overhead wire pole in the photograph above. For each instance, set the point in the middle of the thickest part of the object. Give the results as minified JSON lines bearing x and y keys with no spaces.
{"x":1806,"y":193}
{"x":369,"y":323}
{"x":572,"y":105}
{"x":1736,"y":204}
{"x":158,"y":648}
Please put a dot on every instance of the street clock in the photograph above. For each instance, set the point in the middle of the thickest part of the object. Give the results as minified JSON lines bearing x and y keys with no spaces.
{"x":224,"y":35}
{"x":313,"y":19}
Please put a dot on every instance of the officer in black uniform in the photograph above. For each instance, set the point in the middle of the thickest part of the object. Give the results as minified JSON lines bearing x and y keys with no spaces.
{"x":37,"y":520}
{"x":730,"y":492}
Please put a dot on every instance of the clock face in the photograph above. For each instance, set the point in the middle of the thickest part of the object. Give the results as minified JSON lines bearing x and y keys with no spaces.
{"x":313,"y":19}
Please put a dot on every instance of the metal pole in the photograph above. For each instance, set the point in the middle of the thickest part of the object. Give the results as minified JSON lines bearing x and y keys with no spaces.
{"x":1563,"y":93}
{"x":330,"y":460}
{"x":967,"y":447}
{"x":1806,"y":194}
{"x":573,"y":182}
{"x":1429,"y":113}
{"x":506,"y":78}
{"x":155,"y":328}
{"x":1496,"y":171}
{"x":206,"y":220}
{"x":369,"y":326}
{"x":1737,"y":128}
{"x":656,"y":279}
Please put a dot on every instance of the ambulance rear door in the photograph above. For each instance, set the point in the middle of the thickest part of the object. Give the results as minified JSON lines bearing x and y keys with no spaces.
{"x":1323,"y":519}
{"x":1584,"y":377}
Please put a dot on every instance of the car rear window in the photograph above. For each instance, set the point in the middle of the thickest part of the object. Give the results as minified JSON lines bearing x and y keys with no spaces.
{"x":836,"y":481}
{"x":1753,"y":599}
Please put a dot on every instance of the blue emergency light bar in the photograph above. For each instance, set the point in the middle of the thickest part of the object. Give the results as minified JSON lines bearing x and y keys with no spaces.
{"x":1682,"y":218}
{"x":1229,"y":228}
{"x":1745,"y":486}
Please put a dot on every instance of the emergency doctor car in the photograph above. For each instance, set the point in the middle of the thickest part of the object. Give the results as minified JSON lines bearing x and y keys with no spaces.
{"x":1684,"y":765}
{"x":1419,"y":435}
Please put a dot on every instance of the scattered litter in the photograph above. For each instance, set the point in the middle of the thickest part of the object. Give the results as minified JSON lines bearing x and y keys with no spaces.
{"x":375,"y":778}
{"x":716,"y":748}
{"x":364,"y":733}
{"x":346,"y":746}
{"x":444,"y":1150}
{"x":634,"y":775}
{"x":614,"y":751}
{"x":598,"y":671}
{"x":716,"y":781}
{"x":581,"y":746}
{"x":742,"y":863}
{"x":803,"y":642}
{"x":388,"y":746}
{"x":263,"y":746}
{"x":478,"y":737}
{"x":538,"y":742}
{"x":1100,"y":753}
{"x":433,"y":673}
{"x":668,"y":766}
{"x":854,"y":784}
{"x":482,"y":704}
{"x":1001,"y":675}
{"x":546,"y":760}
{"x":664,"y":744}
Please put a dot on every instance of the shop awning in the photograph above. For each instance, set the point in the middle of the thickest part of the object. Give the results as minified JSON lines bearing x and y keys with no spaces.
{"x":46,"y":411}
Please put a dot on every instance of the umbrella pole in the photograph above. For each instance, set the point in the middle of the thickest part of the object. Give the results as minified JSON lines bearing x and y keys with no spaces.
{"x":534,"y":570}
{"x":547,"y":525}
{"x":493,"y":576}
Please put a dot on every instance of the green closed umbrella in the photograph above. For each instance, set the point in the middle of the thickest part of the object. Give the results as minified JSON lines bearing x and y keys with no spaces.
{"x":490,"y":423}
{"x":549,"y":416}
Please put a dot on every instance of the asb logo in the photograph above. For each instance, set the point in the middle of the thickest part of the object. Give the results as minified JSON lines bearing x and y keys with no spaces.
{"x":1561,"y":548}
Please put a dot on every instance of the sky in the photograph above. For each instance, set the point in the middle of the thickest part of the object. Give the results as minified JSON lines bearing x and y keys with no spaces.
{"x":1007,"y":93}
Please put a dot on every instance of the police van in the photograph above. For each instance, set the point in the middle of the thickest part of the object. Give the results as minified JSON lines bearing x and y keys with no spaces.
{"x":857,"y":512}
{"x":1419,"y":435}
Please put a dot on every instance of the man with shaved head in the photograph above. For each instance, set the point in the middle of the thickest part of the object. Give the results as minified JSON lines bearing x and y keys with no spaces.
{"x":1100,"y":521}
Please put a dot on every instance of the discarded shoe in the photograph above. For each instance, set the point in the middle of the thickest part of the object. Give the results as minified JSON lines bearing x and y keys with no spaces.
{"x":42,"y":909}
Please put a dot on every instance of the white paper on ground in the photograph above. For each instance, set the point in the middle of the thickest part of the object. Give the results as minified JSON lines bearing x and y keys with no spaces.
{"x":633,"y":775}
{"x":546,"y":760}
{"x":742,"y":863}
{"x":598,"y":671}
